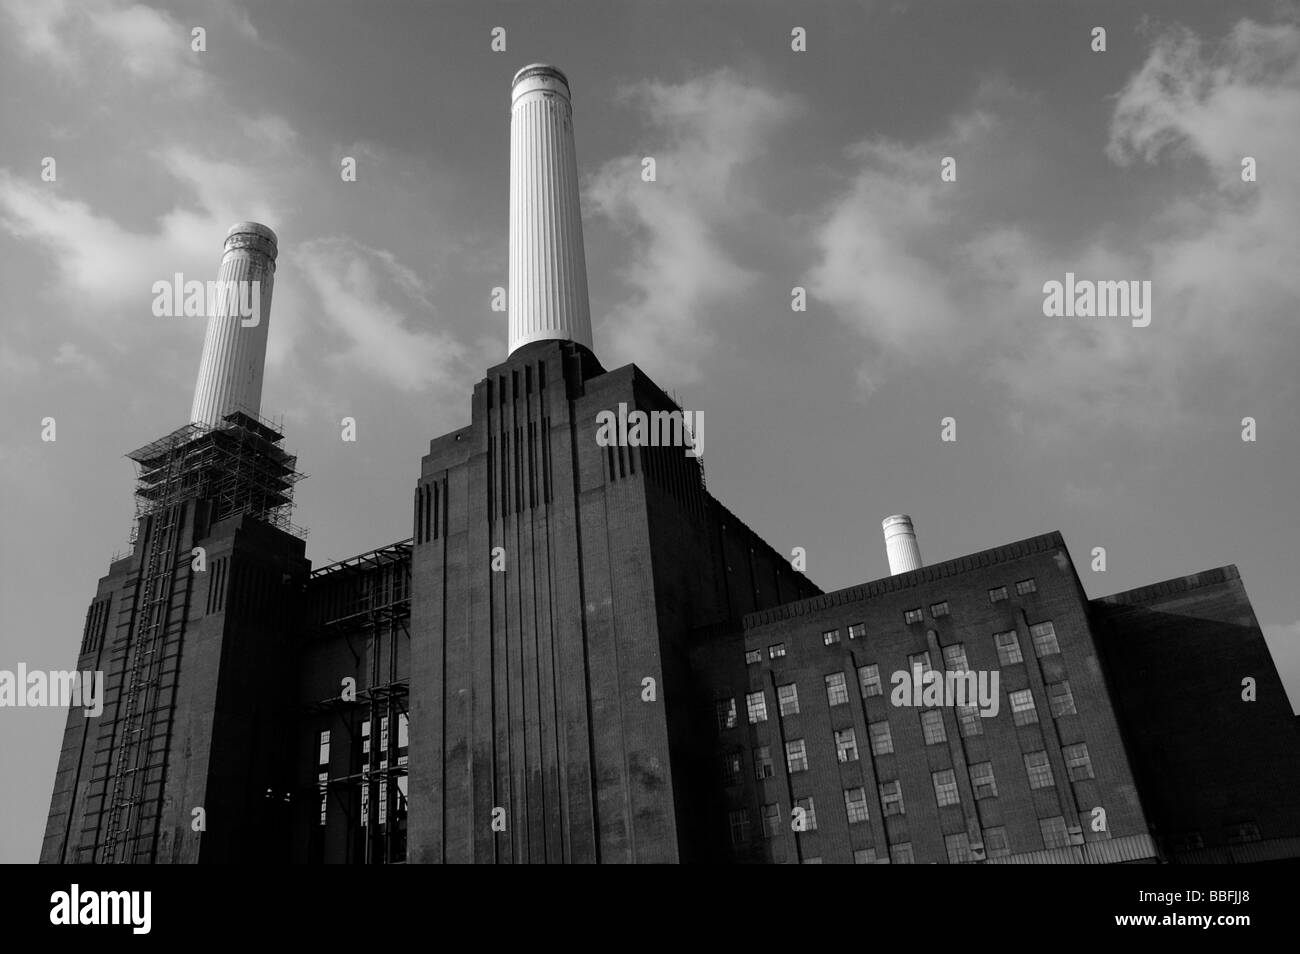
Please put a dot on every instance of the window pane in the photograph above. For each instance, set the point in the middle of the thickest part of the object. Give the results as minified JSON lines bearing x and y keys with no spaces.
{"x":982,"y":780}
{"x":726,"y":710}
{"x":788,"y":699}
{"x":869,"y":677}
{"x":796,"y":756}
{"x":777,"y":650}
{"x":1008,"y":644}
{"x":1038,"y":770}
{"x":1044,"y":639}
{"x":753,"y":656}
{"x":882,"y":741}
{"x":763,"y":762}
{"x":846,"y":745}
{"x":858,"y":631}
{"x":945,"y":787}
{"x":969,"y":716}
{"x":932,"y":726}
{"x":837,"y":691}
{"x":954,"y":658}
{"x":1061,"y":698}
{"x":1022,"y":707}
{"x":997,"y":594}
{"x":891,"y":797}
{"x":756,"y":705}
{"x":1077,"y":761}
{"x":855,"y":805}
{"x":830,"y":637}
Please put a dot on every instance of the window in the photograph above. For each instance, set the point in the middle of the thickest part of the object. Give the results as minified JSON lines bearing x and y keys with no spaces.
{"x":787,"y":698}
{"x":830,"y":637}
{"x":858,"y":631}
{"x":1055,"y":834}
{"x":726,"y":709}
{"x":954,"y":658}
{"x":945,"y":788}
{"x":753,"y":656}
{"x":919,"y":664}
{"x":1025,"y":587}
{"x":869,"y":677}
{"x":796,"y":756}
{"x":913,"y":616}
{"x":809,"y":822}
{"x":814,"y":860}
{"x":1061,"y":698}
{"x":982,"y":780}
{"x":739,"y":820}
{"x":1022,"y":707}
{"x":1008,"y":644}
{"x":969,"y":719}
{"x":864,"y":856}
{"x":731,"y":768}
{"x":775,"y":650}
{"x":837,"y":691}
{"x":995,"y":843}
{"x":763,"y":762}
{"x":882,"y":742}
{"x":846,"y":745}
{"x":323,"y":753}
{"x":939,"y":609}
{"x":1078,"y":763}
{"x":891,"y":797}
{"x":771,"y":819}
{"x":932,"y":726}
{"x":1044,"y":639}
{"x":1242,"y":832}
{"x":958,"y":847}
{"x":997,"y":594}
{"x":1039,"y":770}
{"x":901,"y":854}
{"x":855,"y":805}
{"x":756,"y":705}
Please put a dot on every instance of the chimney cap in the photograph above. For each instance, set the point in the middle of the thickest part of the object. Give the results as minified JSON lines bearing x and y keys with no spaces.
{"x":539,"y":69}
{"x":263,"y":238}
{"x":896,"y":519}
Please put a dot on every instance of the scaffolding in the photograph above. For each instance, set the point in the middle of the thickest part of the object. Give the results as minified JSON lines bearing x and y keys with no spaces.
{"x":366,"y":600}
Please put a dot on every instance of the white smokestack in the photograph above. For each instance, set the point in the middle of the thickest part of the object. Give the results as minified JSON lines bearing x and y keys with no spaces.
{"x":900,"y":544}
{"x":548,"y":270}
{"x":234,"y":350}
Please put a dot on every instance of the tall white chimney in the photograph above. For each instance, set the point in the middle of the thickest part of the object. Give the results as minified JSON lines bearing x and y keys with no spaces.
{"x":900,"y":544}
{"x":234,"y":350}
{"x":548,"y":270}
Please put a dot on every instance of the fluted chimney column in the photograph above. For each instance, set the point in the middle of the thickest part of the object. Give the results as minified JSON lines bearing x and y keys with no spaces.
{"x":548,"y":270}
{"x":900,"y":544}
{"x":234,"y":350}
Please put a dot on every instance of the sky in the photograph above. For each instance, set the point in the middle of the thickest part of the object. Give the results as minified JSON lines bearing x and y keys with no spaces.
{"x":775,"y":169}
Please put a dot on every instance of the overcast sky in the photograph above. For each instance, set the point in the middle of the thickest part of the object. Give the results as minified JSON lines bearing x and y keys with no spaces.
{"x":775,"y":169}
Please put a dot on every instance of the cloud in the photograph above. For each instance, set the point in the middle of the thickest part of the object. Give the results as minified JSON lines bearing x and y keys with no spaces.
{"x":380,"y":312}
{"x":69,"y":356}
{"x":708,"y":129}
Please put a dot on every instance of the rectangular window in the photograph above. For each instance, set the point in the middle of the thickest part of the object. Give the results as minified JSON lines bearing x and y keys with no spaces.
{"x":995,"y":843}
{"x":945,"y":787}
{"x":1025,"y":587}
{"x":753,"y":656}
{"x":1078,"y":763}
{"x":969,"y":719}
{"x":731,"y":768}
{"x":882,"y":741}
{"x":787,"y":698}
{"x":932,"y":726}
{"x":939,"y":609}
{"x":901,"y":854}
{"x":869,"y":678}
{"x":913,"y":616}
{"x":756,"y":706}
{"x":958,"y":847}
{"x":1061,"y":698}
{"x":763,"y":762}
{"x":855,"y":805}
{"x":739,"y":821}
{"x":323,"y":752}
{"x":919,"y":664}
{"x":403,"y":739}
{"x":1044,"y":639}
{"x":796,"y":756}
{"x":1008,"y":644}
{"x":954,"y":658}
{"x":1022,"y":707}
{"x":1039,"y":770}
{"x":982,"y":780}
{"x":846,"y":745}
{"x":809,"y":815}
{"x":775,"y":650}
{"x":771,"y":819}
{"x":726,"y":712}
{"x":858,"y":631}
{"x":830,"y":637}
{"x":891,"y":797}
{"x":997,"y":594}
{"x":837,"y":690}
{"x":1055,"y":834}
{"x":864,"y":856}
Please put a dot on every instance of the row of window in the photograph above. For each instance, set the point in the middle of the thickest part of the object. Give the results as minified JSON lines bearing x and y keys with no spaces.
{"x":1007,"y":642}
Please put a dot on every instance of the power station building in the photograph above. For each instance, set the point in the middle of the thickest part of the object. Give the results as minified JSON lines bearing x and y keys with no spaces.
{"x":580,"y":655}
